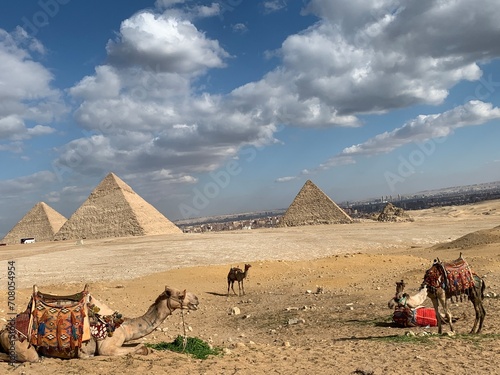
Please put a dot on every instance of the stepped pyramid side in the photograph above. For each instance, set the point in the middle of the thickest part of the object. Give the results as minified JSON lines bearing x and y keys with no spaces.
{"x":113,"y":209}
{"x":311,"y":207}
{"x":41,"y":223}
{"x":393,"y":213}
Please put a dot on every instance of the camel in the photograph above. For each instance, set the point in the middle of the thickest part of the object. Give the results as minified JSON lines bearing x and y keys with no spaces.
{"x":237,"y":274}
{"x":404,"y":299}
{"x":165,"y":304}
{"x":454,"y":279}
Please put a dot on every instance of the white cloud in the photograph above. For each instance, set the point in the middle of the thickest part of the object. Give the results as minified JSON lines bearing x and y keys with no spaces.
{"x":164,"y":44}
{"x":286,"y":179}
{"x":25,"y":184}
{"x":420,"y":129}
{"x":182,"y":9}
{"x":240,"y":28}
{"x":374,"y":56}
{"x":168,"y":3}
{"x":423,"y":128}
{"x":104,"y":84}
{"x":13,"y":128}
{"x":150,"y":115}
{"x":274,"y":6}
{"x":39,"y":130}
{"x":25,"y":91}
{"x":143,"y":119}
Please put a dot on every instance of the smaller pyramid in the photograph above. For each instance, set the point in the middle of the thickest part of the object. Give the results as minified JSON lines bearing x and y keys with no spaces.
{"x":311,"y":207}
{"x":393,"y":213}
{"x":113,"y":209}
{"x":40,"y":223}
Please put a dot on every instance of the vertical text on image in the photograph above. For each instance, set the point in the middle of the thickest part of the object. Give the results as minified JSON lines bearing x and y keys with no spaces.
{"x":11,"y":308}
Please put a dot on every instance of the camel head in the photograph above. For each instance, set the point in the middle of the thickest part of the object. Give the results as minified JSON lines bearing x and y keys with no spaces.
{"x":398,"y":296}
{"x":177,"y":299}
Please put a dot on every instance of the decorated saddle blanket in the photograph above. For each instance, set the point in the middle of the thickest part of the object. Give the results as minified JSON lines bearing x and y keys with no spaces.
{"x":459,"y":276}
{"x":455,"y":277}
{"x":59,"y":324}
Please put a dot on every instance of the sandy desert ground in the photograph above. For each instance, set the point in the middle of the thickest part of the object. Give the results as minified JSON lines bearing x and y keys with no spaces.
{"x":346,"y":329}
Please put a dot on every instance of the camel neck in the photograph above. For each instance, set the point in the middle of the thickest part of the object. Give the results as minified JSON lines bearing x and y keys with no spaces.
{"x":144,"y":325}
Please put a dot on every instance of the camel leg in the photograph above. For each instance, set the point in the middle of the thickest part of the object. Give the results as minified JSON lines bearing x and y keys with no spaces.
{"x":476,"y":320}
{"x":480,"y":312}
{"x":481,"y":317}
{"x":242,"y":287}
{"x":435,"y":304}
{"x":22,"y":351}
{"x":108,"y":348}
{"x":232,"y":287}
{"x":447,"y":313}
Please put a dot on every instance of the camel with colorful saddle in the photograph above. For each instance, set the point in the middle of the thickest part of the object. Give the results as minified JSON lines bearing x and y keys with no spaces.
{"x":442,"y":282}
{"x":80,"y":326}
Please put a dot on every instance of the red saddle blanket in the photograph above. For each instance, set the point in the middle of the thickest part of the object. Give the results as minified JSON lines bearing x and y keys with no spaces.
{"x":420,"y":316}
{"x":459,"y":276}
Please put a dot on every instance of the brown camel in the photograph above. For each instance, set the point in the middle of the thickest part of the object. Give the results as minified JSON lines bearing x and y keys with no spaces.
{"x":165,"y":304}
{"x":237,"y":274}
{"x":454,"y":279}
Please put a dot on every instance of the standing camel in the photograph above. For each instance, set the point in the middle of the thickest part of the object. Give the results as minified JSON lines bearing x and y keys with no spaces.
{"x":237,"y":274}
{"x":131,"y":329}
{"x":454,"y":279}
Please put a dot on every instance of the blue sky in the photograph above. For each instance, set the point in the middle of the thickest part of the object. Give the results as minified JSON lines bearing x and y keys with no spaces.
{"x":215,"y":107}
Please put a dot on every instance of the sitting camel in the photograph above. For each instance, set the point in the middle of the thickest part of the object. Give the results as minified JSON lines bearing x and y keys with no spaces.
{"x":237,"y":274}
{"x":165,"y":304}
{"x":404,"y":299}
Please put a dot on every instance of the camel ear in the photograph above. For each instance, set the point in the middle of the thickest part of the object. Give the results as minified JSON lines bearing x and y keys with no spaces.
{"x":183,"y":295}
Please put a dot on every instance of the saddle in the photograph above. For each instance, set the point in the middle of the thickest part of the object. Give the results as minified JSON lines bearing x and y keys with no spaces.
{"x":458,"y":276}
{"x":56,"y":325}
{"x":421,"y":316}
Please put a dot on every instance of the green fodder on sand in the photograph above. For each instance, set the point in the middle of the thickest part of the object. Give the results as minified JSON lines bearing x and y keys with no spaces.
{"x":193,"y":346}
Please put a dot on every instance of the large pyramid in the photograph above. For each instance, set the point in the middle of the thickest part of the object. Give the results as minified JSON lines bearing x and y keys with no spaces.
{"x":311,"y":206}
{"x":40,"y":223}
{"x":113,"y":209}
